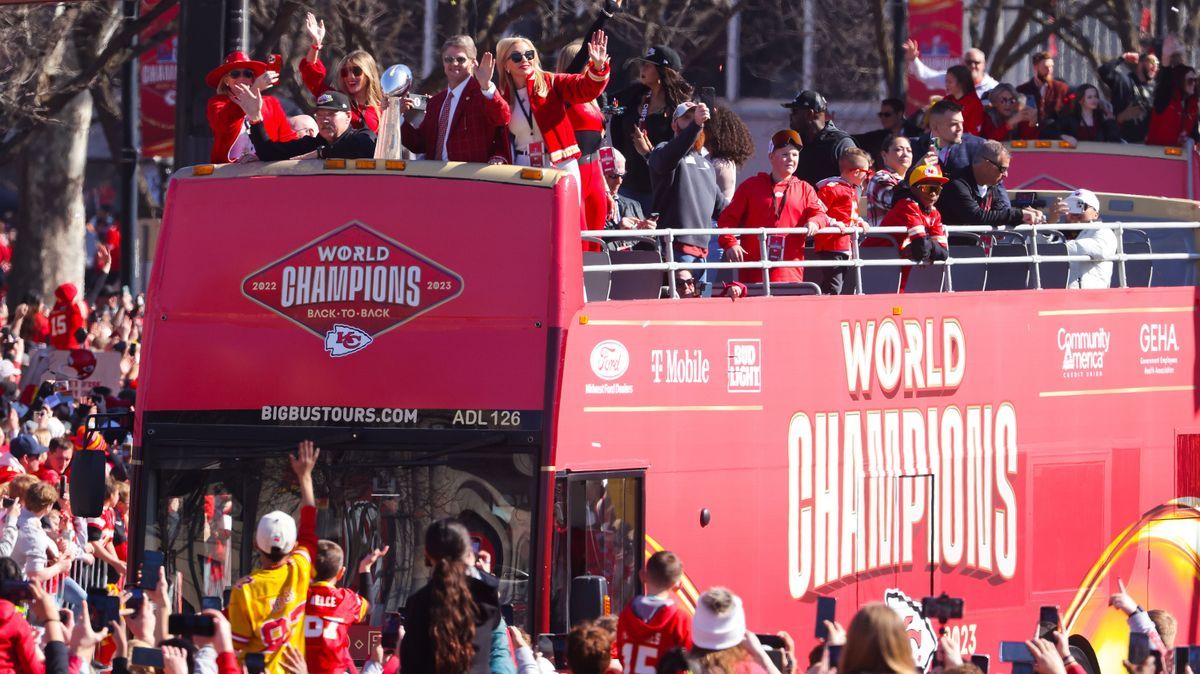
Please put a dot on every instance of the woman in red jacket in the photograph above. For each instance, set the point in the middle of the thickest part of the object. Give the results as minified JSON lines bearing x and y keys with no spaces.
{"x":231,"y":139}
{"x":540,"y":133}
{"x":588,"y":122}
{"x":1173,"y":119}
{"x":960,"y":88}
{"x":358,"y":78}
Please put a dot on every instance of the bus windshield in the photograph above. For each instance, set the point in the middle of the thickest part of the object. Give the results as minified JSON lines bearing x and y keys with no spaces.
{"x":205,"y":509}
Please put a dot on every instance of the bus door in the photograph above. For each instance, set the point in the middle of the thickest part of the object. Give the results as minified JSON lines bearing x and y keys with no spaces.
{"x":599,"y":525}
{"x":202,"y":507}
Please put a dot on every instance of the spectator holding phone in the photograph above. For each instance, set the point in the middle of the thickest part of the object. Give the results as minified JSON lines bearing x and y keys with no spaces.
{"x":876,"y":643}
{"x":721,"y":644}
{"x":652,"y":624}
{"x":1157,"y":624}
{"x":266,"y":609}
{"x":450,"y":621}
{"x":357,"y":77}
{"x":18,"y":647}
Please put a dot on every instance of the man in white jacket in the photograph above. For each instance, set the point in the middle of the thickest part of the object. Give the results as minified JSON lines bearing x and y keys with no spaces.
{"x":1098,"y":243}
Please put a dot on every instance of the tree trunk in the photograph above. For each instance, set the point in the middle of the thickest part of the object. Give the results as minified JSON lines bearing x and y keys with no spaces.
{"x":49,"y":248}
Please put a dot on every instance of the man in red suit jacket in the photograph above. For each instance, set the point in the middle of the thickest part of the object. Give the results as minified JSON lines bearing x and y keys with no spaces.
{"x":471,"y":110}
{"x":1049,"y":94}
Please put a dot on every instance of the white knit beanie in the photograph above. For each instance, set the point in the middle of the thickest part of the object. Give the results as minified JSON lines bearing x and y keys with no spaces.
{"x":715,"y":631}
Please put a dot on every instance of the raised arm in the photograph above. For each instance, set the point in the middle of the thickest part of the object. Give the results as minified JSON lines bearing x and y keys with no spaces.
{"x":609,"y":8}
{"x":303,"y":462}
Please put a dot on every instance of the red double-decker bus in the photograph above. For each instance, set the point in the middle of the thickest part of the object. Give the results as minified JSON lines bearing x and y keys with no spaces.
{"x":425,"y":324}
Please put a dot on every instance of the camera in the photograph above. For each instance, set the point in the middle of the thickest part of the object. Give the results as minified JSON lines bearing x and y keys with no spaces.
{"x":942,"y":608}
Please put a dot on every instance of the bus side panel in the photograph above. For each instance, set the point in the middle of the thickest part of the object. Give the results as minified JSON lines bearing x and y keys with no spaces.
{"x":889,"y":448}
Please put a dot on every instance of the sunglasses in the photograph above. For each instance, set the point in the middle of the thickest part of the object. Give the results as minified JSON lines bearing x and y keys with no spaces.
{"x":455,"y":60}
{"x":930,"y":189}
{"x":688,"y":281}
{"x":999,"y":167}
{"x":517,"y":56}
{"x":352,"y":69}
{"x":786,"y":137}
{"x":248,"y":74}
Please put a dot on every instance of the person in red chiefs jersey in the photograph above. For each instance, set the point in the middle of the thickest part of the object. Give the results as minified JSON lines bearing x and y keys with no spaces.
{"x":926,"y":238}
{"x":331,"y":610}
{"x":840,"y":196}
{"x":652,"y":624}
{"x":68,"y":318}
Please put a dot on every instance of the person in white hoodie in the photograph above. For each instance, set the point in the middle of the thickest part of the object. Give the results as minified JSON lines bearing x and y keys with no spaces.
{"x":1098,"y":243}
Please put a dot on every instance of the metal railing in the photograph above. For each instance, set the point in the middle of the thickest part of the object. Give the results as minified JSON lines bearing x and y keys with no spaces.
{"x":1034,"y":258}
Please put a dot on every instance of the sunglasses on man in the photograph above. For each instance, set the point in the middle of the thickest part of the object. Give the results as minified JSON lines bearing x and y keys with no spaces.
{"x":455,"y":60}
{"x":517,"y":56}
{"x":358,"y":72}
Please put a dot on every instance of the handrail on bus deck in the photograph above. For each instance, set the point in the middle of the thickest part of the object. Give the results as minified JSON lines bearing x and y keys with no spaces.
{"x":858,"y":263}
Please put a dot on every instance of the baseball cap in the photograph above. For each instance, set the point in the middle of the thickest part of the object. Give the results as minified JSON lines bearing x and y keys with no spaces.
{"x":662,"y":55}
{"x":333,"y":100}
{"x":618,"y":165}
{"x":808,"y":99}
{"x":276,"y":530}
{"x":7,"y":369}
{"x":927,"y":173}
{"x":26,"y":445}
{"x":682,"y":109}
{"x":1077,"y":200}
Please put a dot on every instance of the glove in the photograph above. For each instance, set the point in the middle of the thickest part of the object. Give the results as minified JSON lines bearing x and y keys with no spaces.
{"x":919,"y":249}
{"x":937,"y":251}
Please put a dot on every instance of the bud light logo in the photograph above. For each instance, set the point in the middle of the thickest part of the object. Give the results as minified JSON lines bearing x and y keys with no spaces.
{"x":344,"y":340}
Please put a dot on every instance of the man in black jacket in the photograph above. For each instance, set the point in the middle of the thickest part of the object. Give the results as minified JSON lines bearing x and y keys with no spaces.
{"x":824,"y":143}
{"x":334,"y":140}
{"x":954,"y":149}
{"x":971,"y":198}
{"x":1130,"y":78}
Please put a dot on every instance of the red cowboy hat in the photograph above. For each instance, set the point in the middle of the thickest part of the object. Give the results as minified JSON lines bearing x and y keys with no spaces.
{"x":234,"y":61}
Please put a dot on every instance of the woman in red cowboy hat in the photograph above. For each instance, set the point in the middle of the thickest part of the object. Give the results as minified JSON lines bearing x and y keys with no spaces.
{"x":357,"y":77}
{"x":226,"y":118}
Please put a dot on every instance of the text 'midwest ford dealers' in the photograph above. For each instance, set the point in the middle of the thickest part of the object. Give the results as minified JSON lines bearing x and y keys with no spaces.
{"x":351,"y":285}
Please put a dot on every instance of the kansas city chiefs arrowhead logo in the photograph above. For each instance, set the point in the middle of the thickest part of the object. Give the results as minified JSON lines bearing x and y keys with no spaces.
{"x":352,"y":285}
{"x":344,"y":340}
{"x":921,"y":636}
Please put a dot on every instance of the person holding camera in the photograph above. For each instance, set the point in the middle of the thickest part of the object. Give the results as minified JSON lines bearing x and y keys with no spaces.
{"x":974,"y":197}
{"x":463,"y":121}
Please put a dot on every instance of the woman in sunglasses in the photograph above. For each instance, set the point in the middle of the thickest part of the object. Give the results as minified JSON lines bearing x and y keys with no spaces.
{"x":357,"y":77}
{"x":231,"y":138}
{"x":540,"y":133}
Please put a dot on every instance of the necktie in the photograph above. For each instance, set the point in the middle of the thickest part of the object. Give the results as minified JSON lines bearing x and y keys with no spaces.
{"x":443,"y":125}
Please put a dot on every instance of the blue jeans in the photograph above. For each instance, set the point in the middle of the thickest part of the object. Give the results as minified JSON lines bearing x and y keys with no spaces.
{"x":73,"y":597}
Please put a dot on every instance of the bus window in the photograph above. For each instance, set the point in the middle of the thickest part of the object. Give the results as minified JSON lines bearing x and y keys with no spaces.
{"x":598,"y":532}
{"x":205,"y":512}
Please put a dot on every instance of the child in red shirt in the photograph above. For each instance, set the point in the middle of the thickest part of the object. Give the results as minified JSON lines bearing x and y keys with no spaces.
{"x":926,"y":239}
{"x":840,"y":196}
{"x":651,"y":625}
{"x":331,"y":610}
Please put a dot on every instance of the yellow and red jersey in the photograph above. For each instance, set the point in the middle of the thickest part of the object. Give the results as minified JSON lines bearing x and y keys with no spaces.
{"x":330,"y":613}
{"x":266,"y":608}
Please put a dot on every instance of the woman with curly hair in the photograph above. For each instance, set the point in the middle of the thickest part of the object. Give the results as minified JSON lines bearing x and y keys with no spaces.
{"x":449,"y":623}
{"x":646,"y":119}
{"x":729,"y":146}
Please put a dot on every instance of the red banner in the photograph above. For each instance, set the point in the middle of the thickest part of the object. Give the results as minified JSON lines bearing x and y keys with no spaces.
{"x":157,"y":73}
{"x":936,"y":25}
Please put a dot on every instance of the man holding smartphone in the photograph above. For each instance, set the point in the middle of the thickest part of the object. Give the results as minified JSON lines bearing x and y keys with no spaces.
{"x":266,"y":608}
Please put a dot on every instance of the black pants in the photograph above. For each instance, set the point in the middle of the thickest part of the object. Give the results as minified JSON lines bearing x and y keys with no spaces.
{"x":835,"y":280}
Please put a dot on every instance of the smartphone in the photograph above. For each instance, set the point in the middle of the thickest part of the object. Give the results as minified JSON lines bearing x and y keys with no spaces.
{"x":475,"y":544}
{"x":826,"y":610}
{"x":708,"y":96}
{"x":1016,"y":651}
{"x":275,"y":63}
{"x":213,"y":603}
{"x":136,"y":597}
{"x":225,"y":596}
{"x":1194,"y":659}
{"x":147,"y":657}
{"x":554,"y":648}
{"x":256,"y":663}
{"x":191,"y":624}
{"x":982,"y":662}
{"x":608,"y":162}
{"x":390,"y":637}
{"x":506,"y":612}
{"x":775,"y":648}
{"x":1139,"y":647}
{"x":8,"y":502}
{"x":835,"y":655}
{"x":1181,"y":659}
{"x":102,"y":609}
{"x":152,"y":561}
{"x":16,"y":591}
{"x":1048,"y":623}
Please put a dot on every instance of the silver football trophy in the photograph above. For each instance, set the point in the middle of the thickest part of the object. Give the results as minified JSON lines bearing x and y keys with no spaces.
{"x":396,"y":82}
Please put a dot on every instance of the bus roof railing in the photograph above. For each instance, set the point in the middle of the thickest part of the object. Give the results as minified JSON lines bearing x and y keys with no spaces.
{"x":1034,"y":258}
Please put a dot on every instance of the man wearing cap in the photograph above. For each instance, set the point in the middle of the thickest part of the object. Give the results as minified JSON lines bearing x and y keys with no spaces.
{"x":775,"y":199}
{"x":24,"y":457}
{"x":623,"y":213}
{"x":686,"y":194}
{"x":972,"y":196}
{"x":266,"y":608}
{"x":823,"y":143}
{"x":1098,"y":243}
{"x":335,"y":138}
